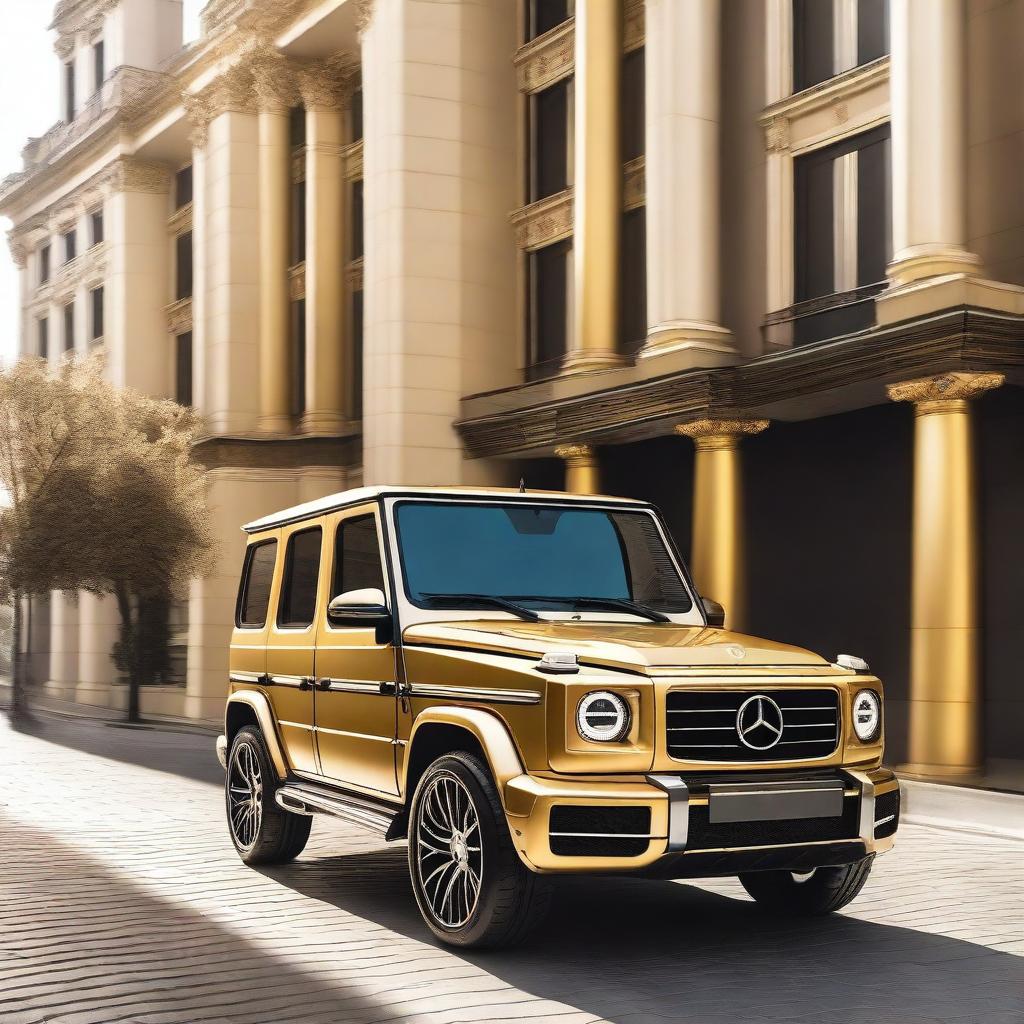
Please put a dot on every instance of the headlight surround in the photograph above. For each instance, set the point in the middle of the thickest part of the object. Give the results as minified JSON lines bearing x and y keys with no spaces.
{"x":603,"y":717}
{"x":867,"y":715}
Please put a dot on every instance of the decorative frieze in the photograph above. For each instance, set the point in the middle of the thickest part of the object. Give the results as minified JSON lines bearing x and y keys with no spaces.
{"x":179,"y":316}
{"x":776,"y":134}
{"x":543,"y":222}
{"x":546,"y":59}
{"x":130,"y":175}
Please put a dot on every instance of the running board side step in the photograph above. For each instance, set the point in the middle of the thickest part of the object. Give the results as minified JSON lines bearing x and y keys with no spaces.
{"x":304,"y":800}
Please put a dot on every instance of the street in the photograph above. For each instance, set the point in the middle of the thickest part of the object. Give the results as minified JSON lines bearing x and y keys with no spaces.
{"x":122,"y":900}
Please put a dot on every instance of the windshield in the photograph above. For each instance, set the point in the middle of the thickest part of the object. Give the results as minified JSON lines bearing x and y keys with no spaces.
{"x":537,"y":558}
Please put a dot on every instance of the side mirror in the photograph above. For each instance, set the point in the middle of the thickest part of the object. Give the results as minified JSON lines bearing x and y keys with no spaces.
{"x":366,"y":608}
{"x":714,"y":612}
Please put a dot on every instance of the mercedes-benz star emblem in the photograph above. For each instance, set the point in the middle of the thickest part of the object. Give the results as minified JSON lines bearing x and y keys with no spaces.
{"x":759,"y":722}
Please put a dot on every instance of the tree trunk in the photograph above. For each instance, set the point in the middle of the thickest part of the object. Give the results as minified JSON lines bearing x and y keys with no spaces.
{"x":130,"y":642}
{"x":19,"y":710}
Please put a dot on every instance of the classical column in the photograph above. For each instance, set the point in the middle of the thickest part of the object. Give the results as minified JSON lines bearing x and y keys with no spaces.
{"x":276,"y":94}
{"x":99,"y":630}
{"x":945,"y":681}
{"x":681,"y":57}
{"x":929,"y":142}
{"x":716,"y":556}
{"x":582,"y":473}
{"x":598,"y":187}
{"x":63,"y":644}
{"x":325,"y":90}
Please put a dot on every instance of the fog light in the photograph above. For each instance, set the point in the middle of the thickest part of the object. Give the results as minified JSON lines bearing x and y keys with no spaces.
{"x":867,"y":715}
{"x":602,"y":717}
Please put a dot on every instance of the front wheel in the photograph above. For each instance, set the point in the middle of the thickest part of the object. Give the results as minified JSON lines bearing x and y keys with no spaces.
{"x":471,"y":886}
{"x":821,"y":891}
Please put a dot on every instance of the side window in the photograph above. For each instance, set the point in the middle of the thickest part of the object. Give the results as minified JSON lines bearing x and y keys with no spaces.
{"x":254,"y":594}
{"x":297,"y":606}
{"x":357,"y":556}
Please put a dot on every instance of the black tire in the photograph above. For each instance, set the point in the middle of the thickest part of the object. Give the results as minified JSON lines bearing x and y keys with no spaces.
{"x":510,"y":900}
{"x":270,"y":834}
{"x":823,"y":891}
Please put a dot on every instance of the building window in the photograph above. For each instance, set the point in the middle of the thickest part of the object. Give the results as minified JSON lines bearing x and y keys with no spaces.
{"x":357,"y":114}
{"x":825,"y":43}
{"x":43,"y":337}
{"x":551,"y":140}
{"x":633,"y":280}
{"x":632,"y":105}
{"x":183,"y":368}
{"x":298,"y":249}
{"x":544,"y":15}
{"x":99,"y":64}
{"x":357,"y":219}
{"x":298,"y":361}
{"x":183,"y":266}
{"x":297,"y":606}
{"x":96,"y":226}
{"x":257,"y":577}
{"x":549,"y":275}
{"x":69,"y":327}
{"x":96,"y":298}
{"x":44,"y":264}
{"x":297,"y":127}
{"x":69,"y":91}
{"x":183,"y":187}
{"x":70,"y":239}
{"x":842,"y":224}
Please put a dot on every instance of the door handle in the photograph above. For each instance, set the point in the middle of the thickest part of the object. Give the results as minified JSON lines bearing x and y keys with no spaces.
{"x":306,"y":683}
{"x":323,"y":684}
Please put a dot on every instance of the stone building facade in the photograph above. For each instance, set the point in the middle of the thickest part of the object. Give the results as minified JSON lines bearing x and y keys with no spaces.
{"x":760,"y":261}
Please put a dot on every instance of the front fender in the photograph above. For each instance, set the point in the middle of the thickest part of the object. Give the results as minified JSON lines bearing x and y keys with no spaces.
{"x":260,"y":706}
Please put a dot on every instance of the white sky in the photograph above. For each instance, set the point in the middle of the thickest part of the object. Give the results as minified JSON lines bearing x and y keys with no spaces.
{"x":29,"y":105}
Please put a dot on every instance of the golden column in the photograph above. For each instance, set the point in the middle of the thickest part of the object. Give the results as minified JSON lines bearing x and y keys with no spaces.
{"x":325,"y":90}
{"x":716,"y":557}
{"x":598,"y":187}
{"x":945,"y":683}
{"x":581,"y":468}
{"x":274,"y":88}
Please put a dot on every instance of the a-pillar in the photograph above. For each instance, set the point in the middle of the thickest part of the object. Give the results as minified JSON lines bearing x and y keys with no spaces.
{"x":945,"y":621}
{"x":716,"y":556}
{"x":582,"y":472}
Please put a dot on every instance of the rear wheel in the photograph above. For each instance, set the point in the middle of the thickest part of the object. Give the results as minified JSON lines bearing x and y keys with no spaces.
{"x":471,"y":886}
{"x":263,"y":832}
{"x":821,"y":891}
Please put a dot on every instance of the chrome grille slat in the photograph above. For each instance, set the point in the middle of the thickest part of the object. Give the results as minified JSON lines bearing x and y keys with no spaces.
{"x":810,"y":725}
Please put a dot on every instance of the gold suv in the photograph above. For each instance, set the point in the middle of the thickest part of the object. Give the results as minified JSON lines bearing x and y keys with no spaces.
{"x":525,"y":685}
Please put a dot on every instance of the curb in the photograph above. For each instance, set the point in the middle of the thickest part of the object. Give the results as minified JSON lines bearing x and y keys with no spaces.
{"x":962,"y":809}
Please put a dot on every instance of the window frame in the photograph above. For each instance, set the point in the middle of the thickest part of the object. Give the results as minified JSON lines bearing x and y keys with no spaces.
{"x":289,"y":554}
{"x":243,"y":585}
{"x":336,"y":563}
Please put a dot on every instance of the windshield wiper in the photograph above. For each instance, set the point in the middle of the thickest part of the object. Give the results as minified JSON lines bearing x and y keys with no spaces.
{"x":606,"y":602}
{"x":504,"y":604}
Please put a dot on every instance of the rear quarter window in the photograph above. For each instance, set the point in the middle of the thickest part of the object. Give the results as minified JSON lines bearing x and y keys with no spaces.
{"x":254,"y":590}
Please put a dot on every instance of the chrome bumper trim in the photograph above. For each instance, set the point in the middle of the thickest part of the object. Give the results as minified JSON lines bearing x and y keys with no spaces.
{"x":476,"y":693}
{"x":678,"y":809}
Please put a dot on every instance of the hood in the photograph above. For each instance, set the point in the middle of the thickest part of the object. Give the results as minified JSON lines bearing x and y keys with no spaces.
{"x":633,"y":647}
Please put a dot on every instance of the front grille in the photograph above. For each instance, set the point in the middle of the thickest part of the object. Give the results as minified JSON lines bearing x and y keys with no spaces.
{"x":582,"y":831}
{"x":702,"y":725}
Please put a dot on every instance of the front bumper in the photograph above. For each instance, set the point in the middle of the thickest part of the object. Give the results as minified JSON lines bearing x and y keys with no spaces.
{"x":663,"y":824}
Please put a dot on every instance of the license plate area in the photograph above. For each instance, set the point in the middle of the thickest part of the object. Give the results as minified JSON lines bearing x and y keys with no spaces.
{"x":775,"y":801}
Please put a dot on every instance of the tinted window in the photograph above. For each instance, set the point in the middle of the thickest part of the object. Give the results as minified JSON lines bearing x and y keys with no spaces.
{"x":632,"y":104}
{"x":183,"y":260}
{"x":97,"y":226}
{"x":256,"y":580}
{"x":550,"y":157}
{"x":183,"y":187}
{"x":812,"y":43}
{"x":97,"y":314}
{"x":549,"y":309}
{"x":183,"y":369}
{"x":544,"y":15}
{"x":357,"y":556}
{"x":301,"y":574}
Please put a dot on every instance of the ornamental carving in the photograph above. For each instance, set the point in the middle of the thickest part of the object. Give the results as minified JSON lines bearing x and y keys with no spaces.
{"x":633,"y":25}
{"x":543,"y":222}
{"x":354,"y":161}
{"x":354,"y":275}
{"x":128,"y":175}
{"x":197,"y":110}
{"x":179,"y":316}
{"x":232,"y":92}
{"x":634,"y":184}
{"x":776,"y":134}
{"x":364,"y":15}
{"x":576,"y":455}
{"x":297,"y":282}
{"x":273,"y":80}
{"x":329,"y":86}
{"x":949,"y":388}
{"x":710,"y":434}
{"x":545,"y":60}
{"x":19,"y":251}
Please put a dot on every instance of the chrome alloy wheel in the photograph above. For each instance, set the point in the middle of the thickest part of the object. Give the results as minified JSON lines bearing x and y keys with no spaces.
{"x":449,"y":857}
{"x":245,"y":796}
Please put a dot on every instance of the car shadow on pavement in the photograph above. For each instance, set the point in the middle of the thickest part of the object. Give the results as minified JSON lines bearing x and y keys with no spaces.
{"x":637,"y":951}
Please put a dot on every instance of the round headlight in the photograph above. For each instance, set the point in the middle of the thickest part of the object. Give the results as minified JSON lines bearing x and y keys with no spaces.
{"x":602,"y":717}
{"x":867,"y":715}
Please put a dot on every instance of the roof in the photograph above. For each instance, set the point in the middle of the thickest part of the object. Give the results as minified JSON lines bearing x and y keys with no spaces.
{"x":360,"y":495}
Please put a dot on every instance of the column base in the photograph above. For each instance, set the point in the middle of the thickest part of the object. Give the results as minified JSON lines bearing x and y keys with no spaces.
{"x":585,"y":360}
{"x":95,"y":695}
{"x":689,"y":336}
{"x":275,"y":424}
{"x":933,"y":294}
{"x":917,"y":262}
{"x":330,"y":423}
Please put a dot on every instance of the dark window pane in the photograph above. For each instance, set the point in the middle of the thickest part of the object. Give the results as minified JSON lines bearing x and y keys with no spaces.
{"x":550,"y":143}
{"x":814,"y":229}
{"x":633,"y":279}
{"x":183,"y":187}
{"x":69,"y":92}
{"x":812,"y":43}
{"x":183,"y":263}
{"x":44,"y":338}
{"x":254,"y":596}
{"x":298,"y":253}
{"x":69,"y":327}
{"x":357,"y":114}
{"x":633,"y":105}
{"x":357,"y":219}
{"x":298,"y":361}
{"x":301,"y":573}
{"x":544,"y":15}
{"x":97,"y":313}
{"x":872,"y":30}
{"x":70,"y":245}
{"x":44,"y":264}
{"x":357,"y":353}
{"x":548,"y":308}
{"x":96,"y":220}
{"x":99,"y":65}
{"x":357,"y":556}
{"x":183,"y":369}
{"x":297,"y":127}
{"x":873,"y":210}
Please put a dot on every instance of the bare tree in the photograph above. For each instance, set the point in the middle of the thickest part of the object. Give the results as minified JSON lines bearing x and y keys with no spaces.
{"x":102,"y":497}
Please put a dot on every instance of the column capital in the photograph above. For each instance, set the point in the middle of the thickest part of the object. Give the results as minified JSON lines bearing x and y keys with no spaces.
{"x":576,"y":454}
{"x":329,"y":86}
{"x":233,"y":91}
{"x":197,"y":110}
{"x":720,"y":433}
{"x":946,"y":392}
{"x":130,"y":175}
{"x":273,"y":79}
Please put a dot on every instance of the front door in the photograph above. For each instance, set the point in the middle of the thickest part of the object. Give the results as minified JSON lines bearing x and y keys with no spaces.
{"x":356,"y":705}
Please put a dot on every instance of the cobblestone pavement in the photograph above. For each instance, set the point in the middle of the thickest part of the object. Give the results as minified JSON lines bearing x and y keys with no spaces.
{"x":122,"y":900}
